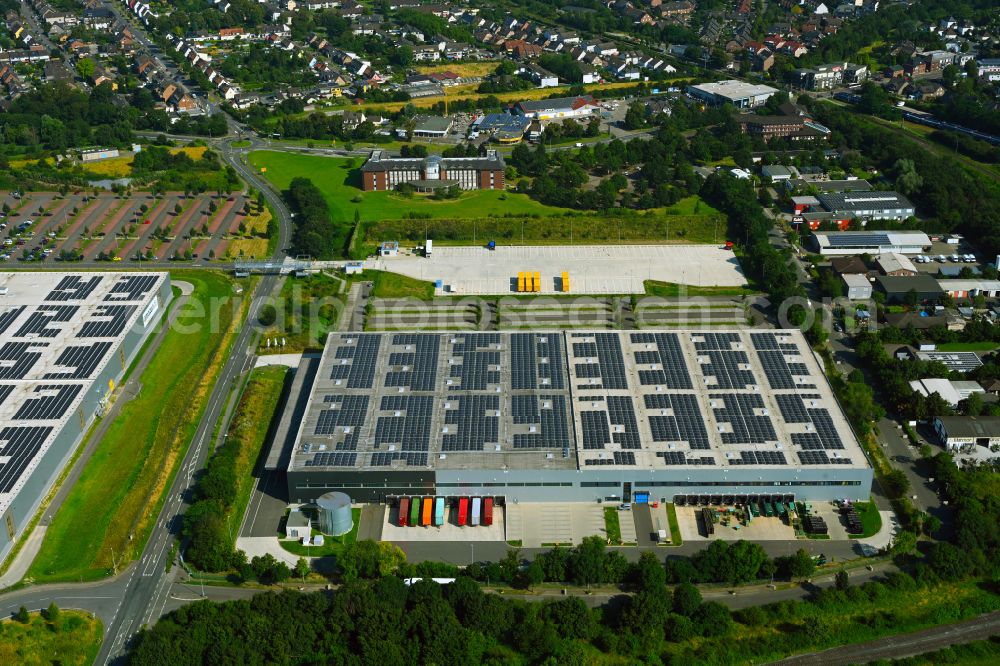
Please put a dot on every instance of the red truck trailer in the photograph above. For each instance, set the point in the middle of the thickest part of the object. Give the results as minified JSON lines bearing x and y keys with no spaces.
{"x":404,"y":510}
{"x":463,"y":511}
{"x":488,"y":511}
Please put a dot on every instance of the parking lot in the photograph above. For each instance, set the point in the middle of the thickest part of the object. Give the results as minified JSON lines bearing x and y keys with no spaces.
{"x":592,"y":269}
{"x":538,"y":525}
{"x":44,"y":226}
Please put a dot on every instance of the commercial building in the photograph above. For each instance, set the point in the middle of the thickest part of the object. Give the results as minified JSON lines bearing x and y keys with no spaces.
{"x":898,"y":265}
{"x":873,"y":205}
{"x":65,"y":343}
{"x":971,"y":288}
{"x":900,"y":289}
{"x":870,"y":242}
{"x":957,"y":433}
{"x":858,"y":286}
{"x":569,"y":416}
{"x":795,"y":128}
{"x":951,"y":391}
{"x":503,"y":128}
{"x":738,"y":93}
{"x":383,"y":172}
{"x":559,"y":108}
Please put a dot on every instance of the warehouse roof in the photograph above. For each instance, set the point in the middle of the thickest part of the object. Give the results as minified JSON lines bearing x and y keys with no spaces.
{"x":854,"y":201}
{"x":571,"y":400}
{"x":971,"y":426}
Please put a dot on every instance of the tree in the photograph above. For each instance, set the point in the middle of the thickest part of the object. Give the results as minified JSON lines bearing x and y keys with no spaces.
{"x":908,"y":180}
{"x":904,"y":542}
{"x":649,"y":572}
{"x":842,"y":580}
{"x":302,"y":568}
{"x":686,"y":599}
{"x":799,"y":565}
{"x":713,"y":619}
{"x":586,"y":563}
{"x":895,"y":484}
{"x":22,"y":615}
{"x":86,"y":67}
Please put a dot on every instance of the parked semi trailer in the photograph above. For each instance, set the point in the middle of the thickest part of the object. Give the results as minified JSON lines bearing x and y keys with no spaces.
{"x":439,"y":512}
{"x":488,"y":511}
{"x":463,"y":511}
{"x":404,"y":510}
{"x":414,"y":511}
{"x":476,"y":508}
{"x":425,"y":518}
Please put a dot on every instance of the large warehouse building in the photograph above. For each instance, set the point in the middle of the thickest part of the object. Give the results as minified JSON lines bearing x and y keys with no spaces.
{"x":65,"y":342}
{"x":571,"y":416}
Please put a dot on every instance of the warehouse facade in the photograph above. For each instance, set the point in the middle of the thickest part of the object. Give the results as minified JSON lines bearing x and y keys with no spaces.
{"x":382,"y":172}
{"x":67,"y":340}
{"x":571,"y":416}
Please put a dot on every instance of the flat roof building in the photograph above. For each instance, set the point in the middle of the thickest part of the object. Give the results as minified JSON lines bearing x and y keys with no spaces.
{"x":66,"y":340}
{"x":898,"y":288}
{"x":964,"y":433}
{"x":557,"y":108}
{"x":873,"y":205}
{"x":738,"y":93}
{"x":870,"y":242}
{"x":383,"y":172}
{"x":895,"y":264}
{"x":572,"y":416}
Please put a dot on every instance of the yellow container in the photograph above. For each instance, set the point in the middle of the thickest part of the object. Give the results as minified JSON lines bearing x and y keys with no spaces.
{"x":565,"y":281}
{"x":538,"y":282}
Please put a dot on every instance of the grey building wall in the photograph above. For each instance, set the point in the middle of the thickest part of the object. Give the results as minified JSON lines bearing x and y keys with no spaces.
{"x":51,"y":464}
{"x":819,"y":484}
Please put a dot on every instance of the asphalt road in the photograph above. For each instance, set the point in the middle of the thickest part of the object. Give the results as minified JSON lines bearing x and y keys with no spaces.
{"x":905,"y":645}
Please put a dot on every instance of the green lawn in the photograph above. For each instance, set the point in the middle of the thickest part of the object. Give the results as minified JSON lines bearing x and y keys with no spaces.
{"x":674,"y":290}
{"x":74,"y":637}
{"x":122,"y":488}
{"x":250,"y":425}
{"x":394,"y":285}
{"x":612,"y":525}
{"x":331,"y":545}
{"x":675,"y":528}
{"x":967,"y":346}
{"x":340,"y":183}
{"x":871,"y":519}
{"x":306,"y":310}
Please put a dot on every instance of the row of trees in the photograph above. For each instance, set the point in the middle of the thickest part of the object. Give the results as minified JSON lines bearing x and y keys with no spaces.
{"x":314,"y":233}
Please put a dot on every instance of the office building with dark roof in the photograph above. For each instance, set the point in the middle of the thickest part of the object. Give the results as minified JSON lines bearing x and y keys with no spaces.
{"x":874,"y":205}
{"x":383,"y":172}
{"x":576,"y":415}
{"x":66,"y":341}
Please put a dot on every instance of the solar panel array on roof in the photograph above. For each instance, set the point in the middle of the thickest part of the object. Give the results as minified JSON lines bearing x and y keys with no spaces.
{"x":131,"y":287}
{"x":679,"y":458}
{"x":738,"y":412}
{"x":596,"y":430}
{"x":610,"y":365}
{"x":759,"y":458}
{"x":621,"y":413}
{"x":76,"y":288}
{"x":668,"y":355}
{"x":39,"y":320}
{"x":52,"y":404}
{"x":18,"y":358}
{"x":549,"y":412}
{"x":476,"y":421}
{"x":351,"y":412}
{"x":9,"y":316}
{"x":411,"y":458}
{"x":334,"y":459}
{"x":409,"y":426}
{"x":821,"y":458}
{"x":858,"y":240}
{"x":81,"y":361}
{"x":793,"y":410}
{"x":725,"y":367}
{"x":362,"y":352}
{"x":780,"y":371}
{"x":686,"y":424}
{"x":19,"y":445}
{"x":474,"y":373}
{"x":114,"y":317}
{"x":5,"y":390}
{"x":421,"y":374}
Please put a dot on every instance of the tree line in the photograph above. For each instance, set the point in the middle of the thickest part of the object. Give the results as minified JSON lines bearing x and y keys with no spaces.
{"x":314,"y":233}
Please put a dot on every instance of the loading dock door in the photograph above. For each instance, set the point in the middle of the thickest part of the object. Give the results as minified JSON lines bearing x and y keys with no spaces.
{"x":641,"y":498}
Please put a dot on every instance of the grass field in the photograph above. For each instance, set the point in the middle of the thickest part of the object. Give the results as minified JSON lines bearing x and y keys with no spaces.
{"x":74,"y":637}
{"x":674,"y":290}
{"x":871,"y":519}
{"x":967,"y":346}
{"x":123,"y":485}
{"x":307,"y":309}
{"x":252,"y":248}
{"x":250,"y":426}
{"x":115,"y":167}
{"x":463,"y":69}
{"x":675,"y":529}
{"x":394,"y":285}
{"x":339,"y":180}
{"x":612,"y":524}
{"x":331,"y":545}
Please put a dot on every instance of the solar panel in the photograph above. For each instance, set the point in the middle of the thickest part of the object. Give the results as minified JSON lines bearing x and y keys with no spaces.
{"x":621,"y":413}
{"x":821,"y":458}
{"x":411,"y":458}
{"x":351,"y":412}
{"x":475,"y":427}
{"x":18,"y":358}
{"x":738,"y":412}
{"x":759,"y":458}
{"x":686,"y":424}
{"x":793,"y":410}
{"x":108,"y":321}
{"x":75,"y":288}
{"x":38,"y":322}
{"x":79,"y":361}
{"x":421,"y":375}
{"x":857,"y":239}
{"x":411,"y":430}
{"x":596,"y":430}
{"x":19,"y":445}
{"x":9,"y":316}
{"x":131,"y":287}
{"x":624,"y":457}
{"x":673,"y":372}
{"x":552,"y":420}
{"x":51,"y":404}
{"x":5,"y":390}
{"x":333,"y":459}
{"x":679,"y":458}
{"x":725,"y":367}
{"x":360,"y":372}
{"x":474,"y":373}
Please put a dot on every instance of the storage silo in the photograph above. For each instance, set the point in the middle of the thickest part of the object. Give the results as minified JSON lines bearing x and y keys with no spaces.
{"x":335,"y":514}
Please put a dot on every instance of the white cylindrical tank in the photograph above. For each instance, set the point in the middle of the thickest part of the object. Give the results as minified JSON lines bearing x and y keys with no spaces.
{"x":335,"y":514}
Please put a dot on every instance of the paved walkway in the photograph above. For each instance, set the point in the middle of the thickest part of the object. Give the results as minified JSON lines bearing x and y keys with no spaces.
{"x":19,"y":567}
{"x":884,"y":537}
{"x":254,"y":546}
{"x":290,"y":360}
{"x":627,"y":522}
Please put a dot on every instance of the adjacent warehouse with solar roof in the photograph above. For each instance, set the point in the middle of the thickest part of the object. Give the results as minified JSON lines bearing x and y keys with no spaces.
{"x":870,"y":242}
{"x":571,"y":416}
{"x":65,"y":342}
